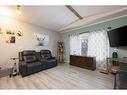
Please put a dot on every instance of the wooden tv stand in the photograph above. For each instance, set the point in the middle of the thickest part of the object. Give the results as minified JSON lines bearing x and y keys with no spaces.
{"x":83,"y":61}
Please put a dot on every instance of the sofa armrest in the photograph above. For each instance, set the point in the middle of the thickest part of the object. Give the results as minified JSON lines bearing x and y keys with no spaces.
{"x":22,"y":68}
{"x":122,"y":71}
{"x":51,"y":58}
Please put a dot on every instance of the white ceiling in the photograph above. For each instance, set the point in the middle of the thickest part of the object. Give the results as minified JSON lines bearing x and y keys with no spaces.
{"x":86,"y":11}
{"x":57,"y":17}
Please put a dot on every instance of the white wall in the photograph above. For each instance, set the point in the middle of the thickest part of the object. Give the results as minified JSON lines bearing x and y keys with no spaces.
{"x":27,"y":42}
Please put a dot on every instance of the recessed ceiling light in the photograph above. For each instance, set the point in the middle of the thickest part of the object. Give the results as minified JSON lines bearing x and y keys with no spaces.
{"x":18,"y":11}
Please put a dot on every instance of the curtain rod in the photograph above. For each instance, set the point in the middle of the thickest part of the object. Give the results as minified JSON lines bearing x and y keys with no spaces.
{"x":84,"y":32}
{"x":96,"y":30}
{"x":93,"y":30}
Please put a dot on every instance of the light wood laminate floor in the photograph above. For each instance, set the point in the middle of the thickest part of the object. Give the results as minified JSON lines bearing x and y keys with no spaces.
{"x":60,"y":77}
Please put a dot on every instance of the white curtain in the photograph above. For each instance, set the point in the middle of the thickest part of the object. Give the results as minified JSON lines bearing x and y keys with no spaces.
{"x":75,"y":44}
{"x":98,"y":46}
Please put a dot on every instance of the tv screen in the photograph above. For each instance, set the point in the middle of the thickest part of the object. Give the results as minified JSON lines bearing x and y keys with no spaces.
{"x":118,"y":37}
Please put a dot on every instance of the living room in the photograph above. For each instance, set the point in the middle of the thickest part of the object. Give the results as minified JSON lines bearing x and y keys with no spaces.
{"x":63,"y":47}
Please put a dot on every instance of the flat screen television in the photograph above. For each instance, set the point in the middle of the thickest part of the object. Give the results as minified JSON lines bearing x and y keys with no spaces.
{"x":118,"y":37}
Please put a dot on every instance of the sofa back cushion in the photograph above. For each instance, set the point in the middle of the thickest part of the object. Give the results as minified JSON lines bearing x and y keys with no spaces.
{"x":29,"y":56}
{"x":46,"y":54}
{"x":29,"y":52}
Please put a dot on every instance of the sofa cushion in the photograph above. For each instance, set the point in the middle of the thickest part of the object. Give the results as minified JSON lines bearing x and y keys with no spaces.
{"x":34,"y":64}
{"x":30,"y":58}
{"x":34,"y":67}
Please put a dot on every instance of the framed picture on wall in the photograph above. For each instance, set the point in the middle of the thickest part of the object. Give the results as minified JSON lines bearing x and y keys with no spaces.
{"x":10,"y":36}
{"x":41,"y":39}
{"x":9,"y":32}
{"x":10,"y":39}
{"x":19,"y":34}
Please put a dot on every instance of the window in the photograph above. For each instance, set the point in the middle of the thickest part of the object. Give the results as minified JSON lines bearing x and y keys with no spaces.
{"x":84,"y":43}
{"x":79,"y":44}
